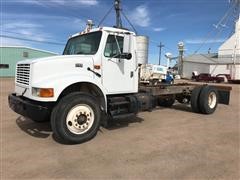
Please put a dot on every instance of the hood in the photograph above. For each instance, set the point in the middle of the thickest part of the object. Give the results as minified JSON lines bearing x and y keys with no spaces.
{"x":54,"y":58}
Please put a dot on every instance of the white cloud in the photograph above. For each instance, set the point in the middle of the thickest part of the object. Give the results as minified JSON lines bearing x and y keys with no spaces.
{"x":201,"y":41}
{"x":87,"y":2}
{"x":159,"y":29}
{"x":23,"y":29}
{"x":28,"y":2}
{"x":75,"y":2}
{"x":20,"y":24}
{"x":60,"y":2}
{"x":36,"y":27}
{"x":140,"y":16}
{"x":78,"y":24}
{"x":30,"y":20}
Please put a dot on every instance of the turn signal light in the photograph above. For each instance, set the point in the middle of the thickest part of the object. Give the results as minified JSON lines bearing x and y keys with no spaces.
{"x":46,"y":92}
{"x":97,"y":67}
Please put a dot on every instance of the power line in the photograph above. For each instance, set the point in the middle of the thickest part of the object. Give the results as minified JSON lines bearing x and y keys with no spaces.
{"x":104,"y":17}
{"x":160,"y":51}
{"x":65,"y":10}
{"x":23,"y":34}
{"x":33,"y":40}
{"x":208,"y":35}
{"x":226,"y":21}
{"x":129,"y":22}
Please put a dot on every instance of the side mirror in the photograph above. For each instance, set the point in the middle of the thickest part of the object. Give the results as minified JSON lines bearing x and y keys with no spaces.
{"x":127,"y":44}
{"x":127,"y":56}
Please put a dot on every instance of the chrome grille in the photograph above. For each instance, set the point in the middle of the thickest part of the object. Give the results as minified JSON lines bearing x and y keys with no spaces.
{"x":23,"y":74}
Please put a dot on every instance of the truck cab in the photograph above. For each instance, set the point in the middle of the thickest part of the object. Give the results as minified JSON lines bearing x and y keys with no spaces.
{"x":103,"y":57}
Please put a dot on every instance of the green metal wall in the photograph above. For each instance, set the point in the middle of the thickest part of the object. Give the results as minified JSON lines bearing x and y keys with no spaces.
{"x":11,"y":55}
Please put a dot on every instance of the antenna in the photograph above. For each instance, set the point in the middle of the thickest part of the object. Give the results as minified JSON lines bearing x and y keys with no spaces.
{"x":118,"y":9}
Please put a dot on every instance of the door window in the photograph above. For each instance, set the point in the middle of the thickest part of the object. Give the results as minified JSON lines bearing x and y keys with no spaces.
{"x":113,"y":46}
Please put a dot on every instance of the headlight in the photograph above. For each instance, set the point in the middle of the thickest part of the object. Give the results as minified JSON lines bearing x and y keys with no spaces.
{"x":43,"y":92}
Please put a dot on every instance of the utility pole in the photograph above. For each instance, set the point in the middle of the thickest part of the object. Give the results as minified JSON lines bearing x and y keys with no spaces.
{"x":160,"y":52}
{"x":117,"y":5}
{"x":180,"y":59}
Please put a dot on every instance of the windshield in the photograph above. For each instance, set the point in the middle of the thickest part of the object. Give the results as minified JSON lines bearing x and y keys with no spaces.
{"x":84,"y":44}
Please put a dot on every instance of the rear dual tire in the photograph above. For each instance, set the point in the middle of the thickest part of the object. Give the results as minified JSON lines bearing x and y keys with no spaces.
{"x":204,"y":99}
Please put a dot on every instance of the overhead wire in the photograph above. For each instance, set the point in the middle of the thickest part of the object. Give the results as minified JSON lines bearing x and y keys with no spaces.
{"x":225,"y":21}
{"x":105,"y":16}
{"x":208,"y":35}
{"x":37,"y":41}
{"x":33,"y":40}
{"x":65,"y":10}
{"x":24,"y":34}
{"x":129,"y":22}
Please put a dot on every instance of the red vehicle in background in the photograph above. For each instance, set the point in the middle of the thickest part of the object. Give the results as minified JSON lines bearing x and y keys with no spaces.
{"x":226,"y":77}
{"x":205,"y":77}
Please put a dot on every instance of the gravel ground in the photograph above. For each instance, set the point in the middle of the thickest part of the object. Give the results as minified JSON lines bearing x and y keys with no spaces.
{"x":163,"y":144}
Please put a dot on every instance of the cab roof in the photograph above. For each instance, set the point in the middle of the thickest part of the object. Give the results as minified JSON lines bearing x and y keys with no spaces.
{"x":107,"y":29}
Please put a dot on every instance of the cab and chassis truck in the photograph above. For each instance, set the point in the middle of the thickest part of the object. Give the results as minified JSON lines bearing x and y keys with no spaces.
{"x":97,"y":79}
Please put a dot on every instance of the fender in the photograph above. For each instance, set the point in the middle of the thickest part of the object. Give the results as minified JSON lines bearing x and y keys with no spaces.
{"x":62,"y":82}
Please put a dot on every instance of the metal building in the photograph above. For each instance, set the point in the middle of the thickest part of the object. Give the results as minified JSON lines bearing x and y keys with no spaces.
{"x":208,"y":63}
{"x":10,"y":55}
{"x":231,"y":50}
{"x":226,"y":61}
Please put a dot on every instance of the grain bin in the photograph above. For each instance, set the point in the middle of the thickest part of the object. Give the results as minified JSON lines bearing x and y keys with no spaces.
{"x":142,"y":49}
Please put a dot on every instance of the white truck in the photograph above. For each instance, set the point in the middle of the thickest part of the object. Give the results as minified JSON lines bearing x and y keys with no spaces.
{"x":97,"y":79}
{"x":152,"y":73}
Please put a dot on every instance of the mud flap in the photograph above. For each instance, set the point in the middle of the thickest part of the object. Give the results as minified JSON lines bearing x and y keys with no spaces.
{"x":224,"y":97}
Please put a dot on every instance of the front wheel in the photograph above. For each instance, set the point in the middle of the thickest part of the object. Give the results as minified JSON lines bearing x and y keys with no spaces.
{"x":76,"y":118}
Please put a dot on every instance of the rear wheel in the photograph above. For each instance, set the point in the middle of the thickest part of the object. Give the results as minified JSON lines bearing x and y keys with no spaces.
{"x":195,"y":99}
{"x":76,"y":118}
{"x":208,"y":100}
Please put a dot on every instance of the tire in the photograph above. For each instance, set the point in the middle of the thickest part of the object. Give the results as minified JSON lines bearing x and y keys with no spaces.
{"x":76,"y":118}
{"x":208,"y":100}
{"x":166,"y":102}
{"x":195,"y":99}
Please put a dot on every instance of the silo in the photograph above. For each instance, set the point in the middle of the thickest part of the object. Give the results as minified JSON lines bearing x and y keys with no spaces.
{"x":142,"y":49}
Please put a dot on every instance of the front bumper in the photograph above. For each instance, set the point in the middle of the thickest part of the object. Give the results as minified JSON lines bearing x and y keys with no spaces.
{"x":28,"y":108}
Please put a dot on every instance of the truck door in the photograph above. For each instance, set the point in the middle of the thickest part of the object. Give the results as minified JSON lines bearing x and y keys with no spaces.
{"x":118,"y":73}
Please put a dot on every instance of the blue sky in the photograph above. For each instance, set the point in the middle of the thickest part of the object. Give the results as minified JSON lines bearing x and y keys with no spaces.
{"x":168,"y":21}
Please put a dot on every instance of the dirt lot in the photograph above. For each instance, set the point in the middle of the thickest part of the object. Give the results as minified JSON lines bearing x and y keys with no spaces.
{"x":166,"y":143}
